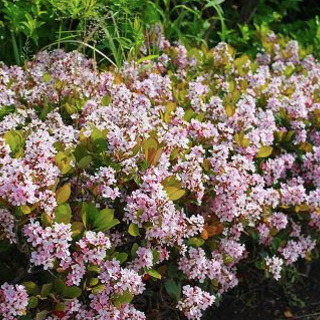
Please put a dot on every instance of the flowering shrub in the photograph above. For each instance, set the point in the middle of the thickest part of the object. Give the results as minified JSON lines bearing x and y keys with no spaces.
{"x":156,"y":178}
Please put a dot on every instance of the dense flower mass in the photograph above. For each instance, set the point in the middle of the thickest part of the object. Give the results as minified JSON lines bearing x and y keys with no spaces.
{"x":193,"y":301}
{"x":13,"y":301}
{"x":159,"y":176}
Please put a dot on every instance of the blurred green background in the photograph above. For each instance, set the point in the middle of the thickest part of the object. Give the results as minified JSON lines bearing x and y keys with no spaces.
{"x":118,"y":27}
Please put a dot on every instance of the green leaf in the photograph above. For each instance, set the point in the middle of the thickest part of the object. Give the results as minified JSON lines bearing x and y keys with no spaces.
{"x":98,"y":288}
{"x":174,"y":193}
{"x":106,"y":100}
{"x":70,"y":108}
{"x":96,"y":134}
{"x":104,"y":216}
{"x":5,"y":110}
{"x":230,"y":110}
{"x":150,"y":143}
{"x":189,"y":114}
{"x":156,"y":256}
{"x":195,"y":242}
{"x":85,"y":161}
{"x":59,"y":285}
{"x":31,"y":287}
{"x":63,"y":162}
{"x":76,"y":228}
{"x":84,"y":218}
{"x":113,"y":223}
{"x":107,"y":226}
{"x":260,"y":264}
{"x":289,"y":136}
{"x":47,"y":77}
{"x":98,"y":140}
{"x":45,"y":289}
{"x":71,"y":292}
{"x":63,"y":213}
{"x":61,"y":306}
{"x":63,"y":194}
{"x":15,"y":141}
{"x":289,"y":70}
{"x":173,"y":289}
{"x":25,"y":209}
{"x":153,"y":273}
{"x":94,"y":268}
{"x":134,"y":249}
{"x":80,"y":152}
{"x":264,"y":152}
{"x":150,"y":57}
{"x":41,"y":315}
{"x":45,"y":219}
{"x":133,"y":230}
{"x":33,"y":302}
{"x":89,"y":213}
{"x":172,"y":270}
{"x":104,"y":220}
{"x":93,"y":282}
{"x":227,"y":259}
{"x":120,"y":256}
{"x":275,"y":243}
{"x":99,"y":145}
{"x":126,"y":297}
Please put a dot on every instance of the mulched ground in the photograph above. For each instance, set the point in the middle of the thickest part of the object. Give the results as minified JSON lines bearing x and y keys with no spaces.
{"x":268,"y":300}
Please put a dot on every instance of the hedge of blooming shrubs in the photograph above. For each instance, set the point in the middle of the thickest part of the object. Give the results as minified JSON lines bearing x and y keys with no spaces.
{"x":160,"y":178}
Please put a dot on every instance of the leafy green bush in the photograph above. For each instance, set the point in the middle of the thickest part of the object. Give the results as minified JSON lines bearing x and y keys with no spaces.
{"x":118,"y":27}
{"x":155,"y":182}
{"x":296,"y":19}
{"x":28,"y":26}
{"x":115,"y":27}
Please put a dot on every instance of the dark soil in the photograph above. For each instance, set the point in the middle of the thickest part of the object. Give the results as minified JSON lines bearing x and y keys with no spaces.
{"x":294,"y":298}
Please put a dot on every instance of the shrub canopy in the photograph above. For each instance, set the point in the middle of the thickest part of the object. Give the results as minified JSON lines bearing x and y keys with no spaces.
{"x":162,"y":177}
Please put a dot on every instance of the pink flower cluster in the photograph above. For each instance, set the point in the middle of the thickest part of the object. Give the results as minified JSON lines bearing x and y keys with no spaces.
{"x":13,"y":301}
{"x":50,"y":243}
{"x":103,"y":180}
{"x":195,"y":265}
{"x":116,"y":281}
{"x":7,"y":226}
{"x":274,"y":266}
{"x":194,"y":301}
{"x":92,"y":248}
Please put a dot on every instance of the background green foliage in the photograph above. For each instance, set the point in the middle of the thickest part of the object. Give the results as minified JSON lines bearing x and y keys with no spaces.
{"x":117,"y":27}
